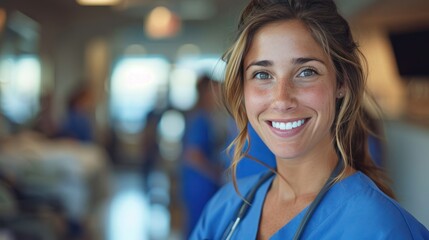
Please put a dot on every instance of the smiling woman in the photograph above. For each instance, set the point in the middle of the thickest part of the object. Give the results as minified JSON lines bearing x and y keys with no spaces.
{"x":295,"y":74}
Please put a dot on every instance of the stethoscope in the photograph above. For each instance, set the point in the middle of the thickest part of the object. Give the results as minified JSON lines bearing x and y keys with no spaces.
{"x":241,"y":213}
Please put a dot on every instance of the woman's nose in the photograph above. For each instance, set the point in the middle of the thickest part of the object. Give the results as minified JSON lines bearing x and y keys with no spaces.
{"x":284,"y":97}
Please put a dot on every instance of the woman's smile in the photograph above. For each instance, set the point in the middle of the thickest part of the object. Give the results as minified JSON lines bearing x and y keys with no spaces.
{"x":287,"y":125}
{"x":287,"y":128}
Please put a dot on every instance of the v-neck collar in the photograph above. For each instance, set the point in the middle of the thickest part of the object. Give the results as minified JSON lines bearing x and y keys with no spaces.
{"x":250,"y":224}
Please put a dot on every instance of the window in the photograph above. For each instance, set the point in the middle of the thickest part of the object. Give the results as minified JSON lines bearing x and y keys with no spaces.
{"x":20,"y":87}
{"x":138,"y":84}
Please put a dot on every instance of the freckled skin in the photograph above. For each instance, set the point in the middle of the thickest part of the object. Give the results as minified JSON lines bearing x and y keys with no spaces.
{"x":279,"y":87}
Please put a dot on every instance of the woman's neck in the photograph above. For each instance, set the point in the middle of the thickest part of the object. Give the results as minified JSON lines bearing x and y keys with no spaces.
{"x":304,"y":177}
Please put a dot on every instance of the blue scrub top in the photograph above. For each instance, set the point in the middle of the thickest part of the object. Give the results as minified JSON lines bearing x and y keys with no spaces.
{"x":353,"y":208}
{"x":260,"y":151}
{"x":200,"y":134}
{"x":77,"y":126}
{"x":197,"y":188}
{"x":257,"y":149}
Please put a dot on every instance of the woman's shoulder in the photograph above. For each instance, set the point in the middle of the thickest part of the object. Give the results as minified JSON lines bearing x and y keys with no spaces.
{"x":369,"y":196}
{"x":365,"y":205}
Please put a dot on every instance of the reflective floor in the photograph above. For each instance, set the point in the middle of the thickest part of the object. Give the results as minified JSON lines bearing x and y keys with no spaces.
{"x":139,"y":211}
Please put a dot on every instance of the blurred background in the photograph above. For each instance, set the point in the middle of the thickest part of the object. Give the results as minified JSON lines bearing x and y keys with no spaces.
{"x":95,"y":97}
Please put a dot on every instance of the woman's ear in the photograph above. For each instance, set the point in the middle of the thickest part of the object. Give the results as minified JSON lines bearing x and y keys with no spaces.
{"x":341,"y":91}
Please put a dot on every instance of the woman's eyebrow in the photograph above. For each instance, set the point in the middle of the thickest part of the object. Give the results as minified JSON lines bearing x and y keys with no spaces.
{"x":261,"y":63}
{"x":295,"y":61}
{"x":300,"y":61}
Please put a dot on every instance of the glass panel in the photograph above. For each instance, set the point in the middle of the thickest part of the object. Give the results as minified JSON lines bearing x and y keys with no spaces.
{"x":20,"y":88}
{"x":136,"y":87}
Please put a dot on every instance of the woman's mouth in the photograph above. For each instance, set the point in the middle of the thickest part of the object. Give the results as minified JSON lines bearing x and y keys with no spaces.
{"x":287,"y":125}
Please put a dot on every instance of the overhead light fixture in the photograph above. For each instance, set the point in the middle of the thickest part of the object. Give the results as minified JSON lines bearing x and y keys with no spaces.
{"x":98,"y":2}
{"x":162,"y":23}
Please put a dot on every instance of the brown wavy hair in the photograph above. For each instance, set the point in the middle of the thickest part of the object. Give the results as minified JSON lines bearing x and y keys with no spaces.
{"x":332,"y":32}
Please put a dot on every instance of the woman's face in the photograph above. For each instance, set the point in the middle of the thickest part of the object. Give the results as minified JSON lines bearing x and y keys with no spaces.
{"x":290,"y":91}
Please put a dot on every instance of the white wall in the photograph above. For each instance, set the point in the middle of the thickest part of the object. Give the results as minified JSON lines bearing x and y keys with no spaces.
{"x":408,"y":165}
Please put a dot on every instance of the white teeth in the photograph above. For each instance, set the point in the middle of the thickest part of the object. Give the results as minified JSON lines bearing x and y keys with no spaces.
{"x":288,"y":125}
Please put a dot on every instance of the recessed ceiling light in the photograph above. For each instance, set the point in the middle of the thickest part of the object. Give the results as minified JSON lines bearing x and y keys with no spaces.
{"x":98,"y":2}
{"x":162,"y":23}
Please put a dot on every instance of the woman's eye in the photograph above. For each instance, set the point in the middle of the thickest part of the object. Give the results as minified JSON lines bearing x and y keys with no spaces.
{"x":307,"y":73}
{"x":262,"y":75}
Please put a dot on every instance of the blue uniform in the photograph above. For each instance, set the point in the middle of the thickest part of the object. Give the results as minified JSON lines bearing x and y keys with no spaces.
{"x":353,"y":208}
{"x":77,"y":126}
{"x":258,"y":150}
{"x":197,"y":188}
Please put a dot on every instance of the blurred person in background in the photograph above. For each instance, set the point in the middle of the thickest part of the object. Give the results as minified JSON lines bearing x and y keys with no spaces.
{"x":77,"y":123}
{"x":201,"y":167}
{"x":151,"y":156}
{"x":44,"y":122}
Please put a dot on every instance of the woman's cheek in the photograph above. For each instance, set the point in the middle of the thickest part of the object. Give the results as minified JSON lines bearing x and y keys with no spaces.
{"x":255,"y":98}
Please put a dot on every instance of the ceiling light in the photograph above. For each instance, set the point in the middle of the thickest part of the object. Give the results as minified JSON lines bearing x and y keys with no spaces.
{"x":162,"y":23}
{"x":98,"y":2}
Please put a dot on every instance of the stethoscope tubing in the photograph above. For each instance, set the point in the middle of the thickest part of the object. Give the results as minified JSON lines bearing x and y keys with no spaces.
{"x":241,"y":213}
{"x":245,"y":206}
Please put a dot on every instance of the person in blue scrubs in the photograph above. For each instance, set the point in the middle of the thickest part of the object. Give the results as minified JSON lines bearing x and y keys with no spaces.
{"x":201,"y":170}
{"x":258,"y":158}
{"x":77,"y":123}
{"x":295,"y":74}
